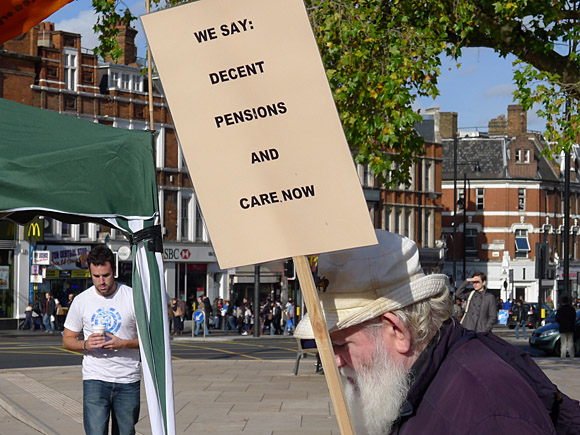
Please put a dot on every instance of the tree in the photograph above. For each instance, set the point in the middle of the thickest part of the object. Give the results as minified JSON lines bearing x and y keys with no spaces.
{"x":542,"y":34}
{"x":380,"y":55}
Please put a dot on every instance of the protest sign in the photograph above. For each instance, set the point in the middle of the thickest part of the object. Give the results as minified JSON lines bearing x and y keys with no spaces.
{"x":259,"y":130}
{"x":263,"y":141}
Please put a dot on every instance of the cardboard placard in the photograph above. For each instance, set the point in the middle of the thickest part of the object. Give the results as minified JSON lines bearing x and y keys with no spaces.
{"x":259,"y":129}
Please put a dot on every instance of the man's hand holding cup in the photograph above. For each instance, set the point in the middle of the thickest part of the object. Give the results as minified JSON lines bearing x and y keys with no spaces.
{"x":97,"y":338}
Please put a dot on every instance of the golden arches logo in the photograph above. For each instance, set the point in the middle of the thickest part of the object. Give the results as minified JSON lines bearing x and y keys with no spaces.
{"x":34,"y":230}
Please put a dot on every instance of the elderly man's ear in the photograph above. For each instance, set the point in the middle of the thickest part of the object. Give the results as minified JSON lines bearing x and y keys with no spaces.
{"x":396,"y":336}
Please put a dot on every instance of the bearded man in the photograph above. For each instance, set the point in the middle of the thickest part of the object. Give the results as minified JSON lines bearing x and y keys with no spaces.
{"x":408,"y":367}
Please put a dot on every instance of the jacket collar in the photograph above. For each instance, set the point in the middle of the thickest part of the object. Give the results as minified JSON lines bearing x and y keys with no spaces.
{"x":427,"y":365}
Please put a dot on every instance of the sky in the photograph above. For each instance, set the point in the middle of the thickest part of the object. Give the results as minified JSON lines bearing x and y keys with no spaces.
{"x":480,"y":90}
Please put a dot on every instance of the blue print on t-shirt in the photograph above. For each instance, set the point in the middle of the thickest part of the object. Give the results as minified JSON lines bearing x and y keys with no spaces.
{"x":109,"y":317}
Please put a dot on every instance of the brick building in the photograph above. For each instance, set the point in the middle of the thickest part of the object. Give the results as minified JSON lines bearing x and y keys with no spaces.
{"x":509,"y":197}
{"x":49,"y":69}
{"x":413,"y":211}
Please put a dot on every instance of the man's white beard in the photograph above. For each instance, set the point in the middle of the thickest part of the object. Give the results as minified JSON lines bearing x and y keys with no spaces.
{"x":377,"y":394}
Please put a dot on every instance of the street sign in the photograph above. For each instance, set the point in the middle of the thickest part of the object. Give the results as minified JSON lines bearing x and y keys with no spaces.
{"x":199,"y":316}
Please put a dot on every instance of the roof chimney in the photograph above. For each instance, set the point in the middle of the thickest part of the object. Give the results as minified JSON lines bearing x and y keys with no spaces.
{"x":447,"y":124}
{"x":517,"y":120}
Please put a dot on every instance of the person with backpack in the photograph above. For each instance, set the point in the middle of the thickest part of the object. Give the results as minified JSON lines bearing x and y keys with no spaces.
{"x":409,"y":367}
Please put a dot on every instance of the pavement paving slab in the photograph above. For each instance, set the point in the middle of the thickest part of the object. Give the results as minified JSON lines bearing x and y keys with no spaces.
{"x":211,"y":397}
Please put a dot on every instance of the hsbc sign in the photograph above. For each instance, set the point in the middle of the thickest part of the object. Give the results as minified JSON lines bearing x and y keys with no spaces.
{"x":176,"y":254}
{"x":182,"y":254}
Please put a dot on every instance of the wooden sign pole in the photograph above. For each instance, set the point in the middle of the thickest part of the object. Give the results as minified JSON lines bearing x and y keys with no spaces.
{"x":323,"y":344}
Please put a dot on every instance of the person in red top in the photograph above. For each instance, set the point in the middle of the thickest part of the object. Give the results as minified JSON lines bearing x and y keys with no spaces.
{"x":49,"y":313}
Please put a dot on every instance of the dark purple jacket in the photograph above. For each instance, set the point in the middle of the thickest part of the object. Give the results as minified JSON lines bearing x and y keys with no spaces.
{"x":463,"y":387}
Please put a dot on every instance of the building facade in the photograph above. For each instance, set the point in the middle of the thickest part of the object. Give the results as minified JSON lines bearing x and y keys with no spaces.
{"x":49,"y":69}
{"x":413,"y":210}
{"x":507,"y":196}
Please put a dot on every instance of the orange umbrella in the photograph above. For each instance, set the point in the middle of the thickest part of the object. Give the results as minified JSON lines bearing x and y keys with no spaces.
{"x":19,"y":16}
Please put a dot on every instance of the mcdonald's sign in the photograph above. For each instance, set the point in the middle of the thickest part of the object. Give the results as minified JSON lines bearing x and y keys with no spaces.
{"x":35,"y":230}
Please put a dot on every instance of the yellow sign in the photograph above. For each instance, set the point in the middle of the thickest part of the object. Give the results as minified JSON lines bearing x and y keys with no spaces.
{"x":81,"y":273}
{"x":52,"y":273}
{"x":249,"y":95}
{"x":35,"y":230}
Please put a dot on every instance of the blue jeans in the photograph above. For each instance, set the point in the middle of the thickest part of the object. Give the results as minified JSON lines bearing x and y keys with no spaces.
{"x":47,"y":322}
{"x":121,"y":401}
{"x":230,"y":324}
{"x":198,"y":326}
{"x":523,"y":325}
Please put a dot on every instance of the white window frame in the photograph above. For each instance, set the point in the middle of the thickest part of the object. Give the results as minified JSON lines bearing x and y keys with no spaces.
{"x":460,"y":195}
{"x":184,"y":197}
{"x":70,"y":68}
{"x":526,"y":156}
{"x":521,"y":199}
{"x":126,"y":81}
{"x":427,"y":177}
{"x":521,"y":235}
{"x":160,"y":148}
{"x":387,"y":216}
{"x":472,"y":252}
{"x":428,"y":230}
{"x":479,"y":198}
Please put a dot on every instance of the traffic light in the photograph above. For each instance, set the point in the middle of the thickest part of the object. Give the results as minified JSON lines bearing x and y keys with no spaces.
{"x":542,"y":260}
{"x":289,"y":271}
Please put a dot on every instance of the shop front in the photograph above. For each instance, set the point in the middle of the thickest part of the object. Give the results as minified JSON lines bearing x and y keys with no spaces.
{"x":66,"y":271}
{"x":7,"y":284}
{"x":188,"y":272}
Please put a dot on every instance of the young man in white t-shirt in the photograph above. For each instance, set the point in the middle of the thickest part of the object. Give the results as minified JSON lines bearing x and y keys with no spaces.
{"x":111,"y":363}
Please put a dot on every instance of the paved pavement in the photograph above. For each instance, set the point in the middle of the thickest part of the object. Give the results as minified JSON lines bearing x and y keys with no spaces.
{"x":229,"y":396}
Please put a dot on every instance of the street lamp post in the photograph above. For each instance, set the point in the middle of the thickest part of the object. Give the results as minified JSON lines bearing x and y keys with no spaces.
{"x":455,"y":210}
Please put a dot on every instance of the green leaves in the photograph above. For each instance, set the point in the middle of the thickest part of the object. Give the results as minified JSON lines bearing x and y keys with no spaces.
{"x":381,"y":68}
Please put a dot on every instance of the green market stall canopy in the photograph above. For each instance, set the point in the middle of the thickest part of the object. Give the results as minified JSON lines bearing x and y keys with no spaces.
{"x":78,"y":171}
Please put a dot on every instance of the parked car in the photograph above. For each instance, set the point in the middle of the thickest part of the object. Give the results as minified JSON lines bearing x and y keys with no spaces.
{"x":534,"y":315}
{"x":547,"y":338}
{"x":550,"y":319}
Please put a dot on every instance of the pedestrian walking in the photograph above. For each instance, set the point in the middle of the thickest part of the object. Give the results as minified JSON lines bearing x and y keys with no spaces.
{"x":566,"y":319}
{"x":111,"y":363}
{"x":481,"y":309}
{"x":522,"y":319}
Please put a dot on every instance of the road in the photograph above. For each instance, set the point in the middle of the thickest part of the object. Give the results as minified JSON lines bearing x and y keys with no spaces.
{"x":27,"y":350}
{"x":45,"y":350}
